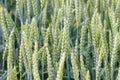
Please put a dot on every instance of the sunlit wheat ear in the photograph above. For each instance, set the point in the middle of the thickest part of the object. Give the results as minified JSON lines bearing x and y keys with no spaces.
{"x":23,"y":60}
{"x":51,"y":34}
{"x":105,"y":51}
{"x":3,"y":23}
{"x":14,"y":72}
{"x":36,"y":31}
{"x":26,"y":38}
{"x":78,"y":11}
{"x":61,"y":67}
{"x":35,"y":57}
{"x":49,"y":65}
{"x":76,"y":49}
{"x":44,"y":55}
{"x":34,"y":37}
{"x":114,"y":53}
{"x":35,"y":7}
{"x":5,"y":32}
{"x":47,"y":37}
{"x":65,"y":41}
{"x":55,"y":52}
{"x":88,"y":50}
{"x":44,"y":18}
{"x":19,"y":7}
{"x":10,"y":56}
{"x":114,"y":25}
{"x":42,"y":3}
{"x":98,"y":66}
{"x":82,"y":44}
{"x":32,"y":34}
{"x":28,"y":8}
{"x":21,"y":53}
{"x":83,"y":68}
{"x":69,"y":12}
{"x":101,"y":55}
{"x":88,"y":75}
{"x":107,"y":71}
{"x":82,"y":39}
{"x":9,"y":20}
{"x":28,"y":50}
{"x":96,"y":26}
{"x":10,"y":24}
{"x":56,"y":37}
{"x":59,"y":48}
{"x":90,"y":8}
{"x":74,"y":66}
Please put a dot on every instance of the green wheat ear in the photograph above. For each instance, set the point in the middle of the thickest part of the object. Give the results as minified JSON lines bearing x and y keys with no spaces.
{"x":49,"y":42}
{"x":35,"y":7}
{"x":74,"y":66}
{"x":28,"y":8}
{"x":9,"y":20}
{"x":35,"y":62}
{"x":3,"y":23}
{"x":5,"y":32}
{"x":56,"y":37}
{"x":49,"y":64}
{"x":114,"y":53}
{"x":14,"y":72}
{"x":21,"y":54}
{"x":82,"y":39}
{"x":88,"y":75}
{"x":83,"y":68}
{"x":61,"y":66}
{"x":19,"y":6}
{"x":11,"y":45}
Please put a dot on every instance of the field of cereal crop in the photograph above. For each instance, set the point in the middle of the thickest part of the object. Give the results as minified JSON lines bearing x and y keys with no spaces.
{"x":59,"y":39}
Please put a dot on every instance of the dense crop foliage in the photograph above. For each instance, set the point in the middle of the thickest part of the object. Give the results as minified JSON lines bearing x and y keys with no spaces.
{"x":59,"y":39}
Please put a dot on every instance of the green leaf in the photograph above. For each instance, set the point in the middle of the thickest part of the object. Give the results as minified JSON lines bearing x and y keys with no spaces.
{"x":108,"y":22}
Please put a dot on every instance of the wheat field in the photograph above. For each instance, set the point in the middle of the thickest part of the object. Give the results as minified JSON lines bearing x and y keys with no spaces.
{"x":59,"y":39}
